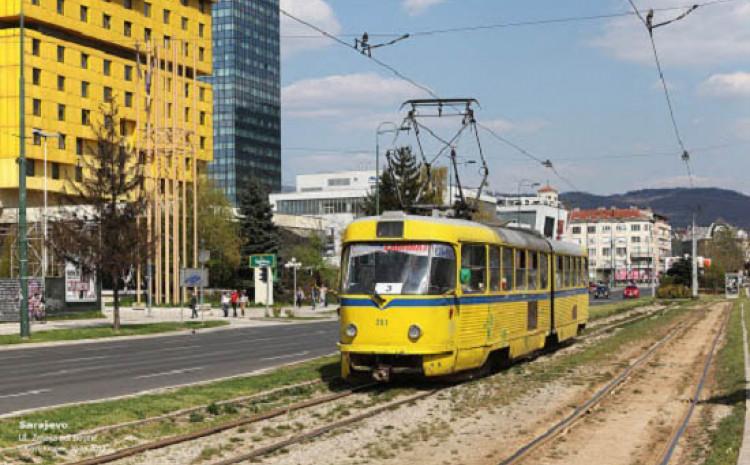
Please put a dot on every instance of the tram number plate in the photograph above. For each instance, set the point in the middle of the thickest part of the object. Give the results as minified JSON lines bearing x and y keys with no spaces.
{"x":381,"y":322}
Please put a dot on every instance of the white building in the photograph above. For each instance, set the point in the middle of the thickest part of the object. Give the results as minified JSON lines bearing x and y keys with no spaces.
{"x":624,"y":244}
{"x":543,"y":212}
{"x":333,"y":199}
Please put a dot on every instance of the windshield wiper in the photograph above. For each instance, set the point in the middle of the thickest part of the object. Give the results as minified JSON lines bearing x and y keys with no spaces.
{"x":377,"y":298}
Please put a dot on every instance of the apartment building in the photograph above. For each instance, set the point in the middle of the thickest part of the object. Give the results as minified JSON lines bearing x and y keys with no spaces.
{"x":624,"y":244}
{"x":543,"y":212}
{"x":149,"y":58}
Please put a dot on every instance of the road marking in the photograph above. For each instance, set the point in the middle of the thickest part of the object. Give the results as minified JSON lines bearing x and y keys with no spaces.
{"x":27,"y":393}
{"x":298,"y":354}
{"x":167,"y":373}
{"x":81,"y":359}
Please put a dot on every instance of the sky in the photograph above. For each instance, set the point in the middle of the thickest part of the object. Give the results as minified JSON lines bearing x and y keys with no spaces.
{"x":584,"y":94}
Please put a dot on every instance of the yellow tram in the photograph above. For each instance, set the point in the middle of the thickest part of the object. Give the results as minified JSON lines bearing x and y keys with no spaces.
{"x":407,"y":307}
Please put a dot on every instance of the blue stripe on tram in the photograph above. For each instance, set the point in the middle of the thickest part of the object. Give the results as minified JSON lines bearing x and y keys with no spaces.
{"x":465,"y":300}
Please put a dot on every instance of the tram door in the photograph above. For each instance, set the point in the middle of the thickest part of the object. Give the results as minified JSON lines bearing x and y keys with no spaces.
{"x":473,"y":313}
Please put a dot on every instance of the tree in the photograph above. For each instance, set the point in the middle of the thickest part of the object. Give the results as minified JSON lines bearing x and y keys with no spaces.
{"x":218,"y":230}
{"x":680,"y":273}
{"x":257,"y":231}
{"x":104,"y":232}
{"x":727,"y":256}
{"x":405,"y":184}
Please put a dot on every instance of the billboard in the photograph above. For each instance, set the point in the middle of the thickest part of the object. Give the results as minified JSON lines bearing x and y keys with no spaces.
{"x":79,"y":286}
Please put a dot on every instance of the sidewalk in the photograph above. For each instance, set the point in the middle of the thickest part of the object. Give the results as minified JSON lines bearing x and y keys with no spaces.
{"x":254,"y":316}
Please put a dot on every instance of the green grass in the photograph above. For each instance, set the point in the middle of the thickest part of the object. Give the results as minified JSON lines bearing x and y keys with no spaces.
{"x":106,"y":331}
{"x":82,"y":315}
{"x":725,"y":440}
{"x":87,"y":416}
{"x":603,"y":311}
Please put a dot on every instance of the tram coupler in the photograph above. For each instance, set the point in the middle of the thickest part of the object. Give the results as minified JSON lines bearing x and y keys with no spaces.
{"x":382,"y":374}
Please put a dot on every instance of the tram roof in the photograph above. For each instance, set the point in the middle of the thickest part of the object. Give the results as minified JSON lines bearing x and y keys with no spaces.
{"x":514,"y":237}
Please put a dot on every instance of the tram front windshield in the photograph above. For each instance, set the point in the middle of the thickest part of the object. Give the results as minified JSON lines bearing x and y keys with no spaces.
{"x":399,"y":268}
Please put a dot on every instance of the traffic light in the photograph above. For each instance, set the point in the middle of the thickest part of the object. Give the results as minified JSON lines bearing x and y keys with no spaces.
{"x":264,"y":274}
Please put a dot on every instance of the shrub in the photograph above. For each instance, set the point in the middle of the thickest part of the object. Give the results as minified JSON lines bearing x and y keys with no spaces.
{"x":673,"y":291}
{"x":213,"y":409}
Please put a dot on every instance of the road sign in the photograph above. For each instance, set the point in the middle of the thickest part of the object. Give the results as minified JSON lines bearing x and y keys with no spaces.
{"x":193,"y":277}
{"x":263,"y":260}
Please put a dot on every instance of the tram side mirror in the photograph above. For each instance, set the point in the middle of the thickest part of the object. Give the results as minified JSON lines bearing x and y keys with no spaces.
{"x":465,"y":276}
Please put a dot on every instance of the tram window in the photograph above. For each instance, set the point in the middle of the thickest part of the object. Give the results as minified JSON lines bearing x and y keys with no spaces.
{"x":559,"y":273}
{"x":543,"y":270}
{"x":533,"y":270}
{"x":507,"y":269}
{"x":494,"y":268}
{"x":566,"y":272}
{"x":580,"y":271}
{"x":521,"y":269}
{"x":576,"y":271}
{"x":474,"y":258}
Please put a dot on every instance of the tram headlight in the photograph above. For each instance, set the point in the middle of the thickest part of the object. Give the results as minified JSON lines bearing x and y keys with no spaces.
{"x":351,"y":330}
{"x":415,"y":332}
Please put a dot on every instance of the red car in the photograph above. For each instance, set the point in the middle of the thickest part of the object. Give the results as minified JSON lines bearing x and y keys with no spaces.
{"x":631,"y":292}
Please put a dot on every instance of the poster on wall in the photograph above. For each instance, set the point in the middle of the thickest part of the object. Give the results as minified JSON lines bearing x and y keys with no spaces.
{"x":79,"y":286}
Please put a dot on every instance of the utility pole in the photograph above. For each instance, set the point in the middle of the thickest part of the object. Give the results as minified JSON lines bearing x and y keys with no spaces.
{"x":695,"y":261}
{"x":23,"y":244}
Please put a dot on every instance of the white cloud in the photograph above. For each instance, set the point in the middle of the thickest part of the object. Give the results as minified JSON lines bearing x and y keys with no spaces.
{"x":742,"y":128}
{"x":317,"y":12}
{"x":727,"y":85}
{"x":710,"y":35}
{"x":416,"y":7}
{"x":343,"y":94}
{"x":522,"y":126}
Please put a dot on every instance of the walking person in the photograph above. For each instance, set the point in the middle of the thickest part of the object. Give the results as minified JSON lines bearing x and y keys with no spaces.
{"x":235,"y":299}
{"x":243,"y":302}
{"x":324,"y":296}
{"x":313,"y":295}
{"x":300,"y":296}
{"x":225,"y":304}
{"x":193,"y":306}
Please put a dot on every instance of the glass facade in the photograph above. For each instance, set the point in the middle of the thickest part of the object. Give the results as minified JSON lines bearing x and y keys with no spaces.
{"x":247,"y":95}
{"x":320,"y":206}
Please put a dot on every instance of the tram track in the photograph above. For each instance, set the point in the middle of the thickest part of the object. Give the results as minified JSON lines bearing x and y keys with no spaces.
{"x":563,"y":426}
{"x":299,"y":406}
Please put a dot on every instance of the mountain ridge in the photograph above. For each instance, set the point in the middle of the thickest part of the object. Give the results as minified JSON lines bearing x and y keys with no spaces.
{"x":711,"y":204}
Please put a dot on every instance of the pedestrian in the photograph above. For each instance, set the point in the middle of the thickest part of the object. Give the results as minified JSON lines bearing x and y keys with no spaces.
{"x":313,"y":295}
{"x":235,"y":299}
{"x":324,"y":296}
{"x":300,"y":296}
{"x":225,"y":303}
{"x":193,"y":306}
{"x":42,"y":309}
{"x":243,"y":302}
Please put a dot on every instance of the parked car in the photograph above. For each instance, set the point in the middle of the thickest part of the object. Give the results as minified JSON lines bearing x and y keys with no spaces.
{"x":601,"y":292}
{"x":631,"y":292}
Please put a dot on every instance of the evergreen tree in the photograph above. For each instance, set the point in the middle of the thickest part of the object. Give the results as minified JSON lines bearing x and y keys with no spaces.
{"x":403,"y":184}
{"x":257,"y":231}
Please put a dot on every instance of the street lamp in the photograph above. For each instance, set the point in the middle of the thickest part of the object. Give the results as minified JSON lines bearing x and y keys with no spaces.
{"x":294,"y":265}
{"x":394,"y":129}
{"x":523,"y":182}
{"x":46,"y":135}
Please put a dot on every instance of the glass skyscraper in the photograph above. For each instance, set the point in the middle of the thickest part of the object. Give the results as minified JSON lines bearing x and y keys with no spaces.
{"x":247,"y":95}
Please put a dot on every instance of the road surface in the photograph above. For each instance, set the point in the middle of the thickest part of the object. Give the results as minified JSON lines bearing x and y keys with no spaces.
{"x":47,"y":376}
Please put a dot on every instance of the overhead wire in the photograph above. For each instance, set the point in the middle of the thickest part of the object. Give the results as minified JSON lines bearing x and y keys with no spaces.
{"x":546,"y":163}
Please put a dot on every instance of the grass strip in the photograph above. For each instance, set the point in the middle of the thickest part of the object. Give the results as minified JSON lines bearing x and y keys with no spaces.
{"x":725,"y":441}
{"x":99,"y":332}
{"x":602,"y":311}
{"x":89,"y":416}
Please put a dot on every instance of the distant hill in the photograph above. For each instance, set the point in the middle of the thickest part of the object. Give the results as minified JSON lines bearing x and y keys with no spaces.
{"x":677,"y":204}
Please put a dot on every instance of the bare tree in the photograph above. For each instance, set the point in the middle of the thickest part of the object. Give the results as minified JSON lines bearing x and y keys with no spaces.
{"x":103,"y":231}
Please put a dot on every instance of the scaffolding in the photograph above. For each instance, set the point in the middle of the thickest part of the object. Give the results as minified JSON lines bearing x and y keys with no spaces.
{"x":167,"y":141}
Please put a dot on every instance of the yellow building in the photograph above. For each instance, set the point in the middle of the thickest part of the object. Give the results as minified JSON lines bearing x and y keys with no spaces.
{"x":149,"y":58}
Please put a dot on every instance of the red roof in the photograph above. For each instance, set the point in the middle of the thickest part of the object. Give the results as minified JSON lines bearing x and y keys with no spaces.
{"x":547,"y":188}
{"x":609,"y":214}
